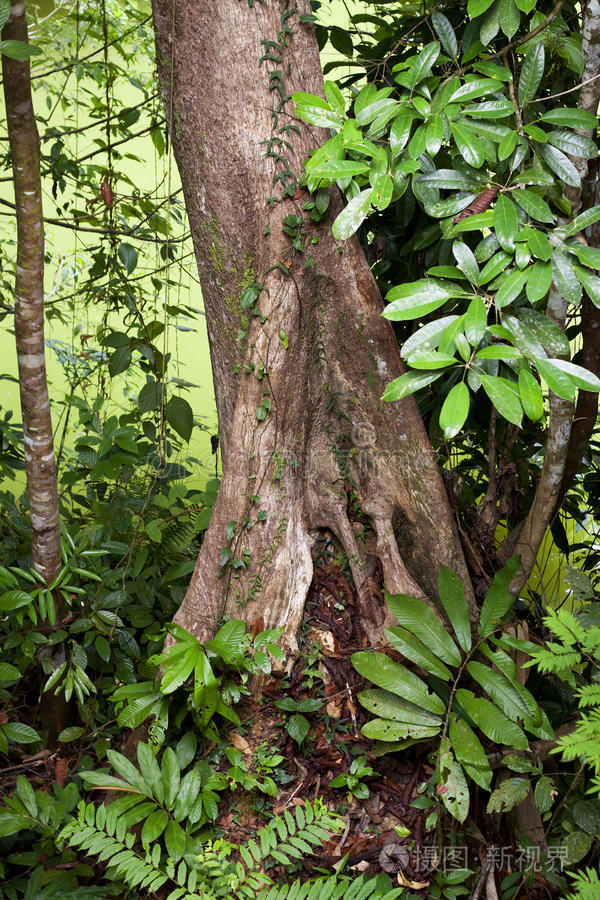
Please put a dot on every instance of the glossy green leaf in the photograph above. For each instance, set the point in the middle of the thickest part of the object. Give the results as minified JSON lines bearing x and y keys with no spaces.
{"x":504,"y":397}
{"x":455,"y":410}
{"x":534,"y":206}
{"x":498,"y":599}
{"x":539,"y":279}
{"x":175,"y":840}
{"x":407,"y":384}
{"x":413,"y":649}
{"x":475,"y":321}
{"x":477,"y":7}
{"x":590,"y":284}
{"x":128,"y":256}
{"x":171,"y":776}
{"x":451,"y":592}
{"x":445,"y":32}
{"x":19,"y":49}
{"x":506,"y":223}
{"x":453,"y":788}
{"x":434,"y":134}
{"x":570,"y":117}
{"x":512,"y":285}
{"x":531,"y":395}
{"x":560,"y":164}
{"x":573,"y":143}
{"x":469,"y":752}
{"x":431,"y":359}
{"x":427,"y":337}
{"x":491,"y":720}
{"x":386,"y":705}
{"x":352,"y":216}
{"x":468,"y":145}
{"x":421,"y":67}
{"x":407,"y":301}
{"x":500,"y":690}
{"x":154,"y":826}
{"x":531,"y":73}
{"x":583,"y":221}
{"x":510,"y":17}
{"x":565,"y":277}
{"x":391,"y":676}
{"x":474,"y":88}
{"x":422,"y":621}
{"x":388,"y":730}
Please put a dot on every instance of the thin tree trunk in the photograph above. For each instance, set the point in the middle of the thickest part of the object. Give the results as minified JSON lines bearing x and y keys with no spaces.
{"x":309,"y":450}
{"x":29,"y":305}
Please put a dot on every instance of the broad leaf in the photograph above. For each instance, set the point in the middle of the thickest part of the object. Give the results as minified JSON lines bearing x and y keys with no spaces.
{"x":391,"y":676}
{"x":386,"y":705}
{"x":469,"y":752}
{"x":498,"y":599}
{"x":452,"y":597}
{"x":422,"y":621}
{"x":491,"y":720}
{"x":455,"y":410}
{"x":352,"y":217}
{"x":413,"y":649}
{"x":504,"y":396}
{"x":531,"y":73}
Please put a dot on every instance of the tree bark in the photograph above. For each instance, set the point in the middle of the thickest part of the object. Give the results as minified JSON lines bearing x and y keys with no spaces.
{"x":309,"y":450}
{"x":40,"y":462}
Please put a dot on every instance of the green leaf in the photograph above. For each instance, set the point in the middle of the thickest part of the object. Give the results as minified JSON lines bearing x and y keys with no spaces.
{"x":560,"y":164}
{"x":545,"y":331}
{"x":571,"y":117}
{"x":475,"y":321}
{"x":498,"y":599}
{"x":468,"y":145}
{"x":386,"y":705}
{"x":388,"y":730}
{"x":319,"y":115}
{"x":491,"y":720}
{"x":339,"y":168}
{"x":171,"y":777}
{"x":383,"y":188}
{"x":539,"y":279}
{"x":531,"y":73}
{"x":4,"y":12}
{"x":445,"y":32}
{"x":154,"y":826}
{"x":508,"y":795}
{"x":128,"y":771}
{"x":8,"y":673}
{"x":507,"y":145}
{"x":128,"y":256}
{"x":531,"y":395}
{"x":453,"y":787}
{"x":180,"y":417}
{"x":573,"y":144}
{"x":423,"y":622}
{"x":19,"y":49}
{"x":393,"y":677}
{"x":469,"y":752}
{"x":334,"y":97}
{"x":149,"y":398}
{"x":407,"y":301}
{"x":149,"y":766}
{"x":504,"y":396}
{"x":474,"y":89}
{"x":506,"y":223}
{"x":512,"y":284}
{"x":71,"y":734}
{"x":407,"y":384}
{"x":422,"y":65}
{"x":452,"y":597}
{"x":534,"y":206}
{"x":477,"y":7}
{"x":510,"y":17}
{"x":455,"y":410}
{"x":21,"y":733}
{"x":435,"y":134}
{"x":581,"y":377}
{"x":558,"y":381}
{"x":539,"y":244}
{"x":465,"y":259}
{"x":431,"y":359}
{"x":352,"y":216}
{"x":297,"y":727}
{"x":411,"y":648}
{"x":490,"y":24}
{"x":175,"y":840}
{"x":590,"y":284}
{"x":500,"y":690}
{"x":14,"y":600}
{"x":583,"y":221}
{"x":400,"y":131}
{"x":544,"y":793}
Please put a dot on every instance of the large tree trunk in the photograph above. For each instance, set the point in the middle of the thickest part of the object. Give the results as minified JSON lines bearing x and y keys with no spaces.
{"x":40,"y":462}
{"x":308,"y":447}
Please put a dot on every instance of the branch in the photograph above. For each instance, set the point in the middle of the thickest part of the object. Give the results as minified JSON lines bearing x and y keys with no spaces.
{"x":533,"y":529}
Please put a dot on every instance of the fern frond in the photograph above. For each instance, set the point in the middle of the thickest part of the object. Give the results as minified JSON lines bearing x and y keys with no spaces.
{"x":586,"y":884}
{"x":589,"y":695}
{"x":584,"y":741}
{"x":565,"y":627}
